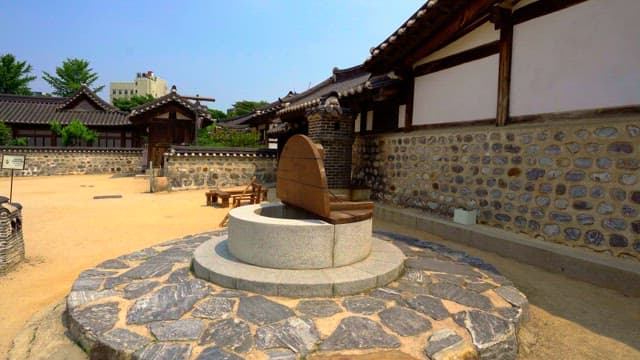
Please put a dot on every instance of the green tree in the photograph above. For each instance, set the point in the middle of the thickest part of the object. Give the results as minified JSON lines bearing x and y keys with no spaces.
{"x":126,"y":104}
{"x":244,"y":107}
{"x":5,"y":134}
{"x":6,"y":138}
{"x":217,"y":114}
{"x":14,"y":76}
{"x":74,"y":133}
{"x":217,"y":136}
{"x":71,"y":76}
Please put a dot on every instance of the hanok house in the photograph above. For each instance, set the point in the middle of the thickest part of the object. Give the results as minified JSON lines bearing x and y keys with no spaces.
{"x":526,"y":111}
{"x":327,"y":113}
{"x":30,"y":117}
{"x":169,"y":120}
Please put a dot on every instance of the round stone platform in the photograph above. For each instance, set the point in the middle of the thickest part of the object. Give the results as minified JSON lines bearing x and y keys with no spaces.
{"x":148,"y":305}
{"x":213,"y":262}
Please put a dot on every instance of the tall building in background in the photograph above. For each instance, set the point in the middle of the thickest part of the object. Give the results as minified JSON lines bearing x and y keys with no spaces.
{"x":145,"y":83}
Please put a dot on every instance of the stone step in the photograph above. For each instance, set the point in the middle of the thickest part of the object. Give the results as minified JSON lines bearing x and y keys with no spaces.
{"x":213,"y":262}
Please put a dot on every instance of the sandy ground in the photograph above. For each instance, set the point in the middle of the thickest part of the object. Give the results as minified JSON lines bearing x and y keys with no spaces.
{"x":67,"y":231}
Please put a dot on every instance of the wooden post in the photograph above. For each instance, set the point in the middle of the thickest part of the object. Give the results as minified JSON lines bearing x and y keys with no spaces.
{"x":11,"y":188}
{"x":408,"y":111}
{"x":505,"y":23}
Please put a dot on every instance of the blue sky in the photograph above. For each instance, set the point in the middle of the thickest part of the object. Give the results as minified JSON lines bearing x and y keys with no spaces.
{"x":229,"y":50}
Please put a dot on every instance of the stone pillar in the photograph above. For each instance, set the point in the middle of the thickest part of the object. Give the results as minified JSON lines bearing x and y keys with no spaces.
{"x":332,"y":127}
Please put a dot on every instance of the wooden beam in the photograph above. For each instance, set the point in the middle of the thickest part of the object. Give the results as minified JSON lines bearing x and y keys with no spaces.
{"x":408,"y":111}
{"x":468,"y":15}
{"x":541,"y":8}
{"x":466,"y":56}
{"x":578,"y":114}
{"x":455,"y":124}
{"x":504,"y":67}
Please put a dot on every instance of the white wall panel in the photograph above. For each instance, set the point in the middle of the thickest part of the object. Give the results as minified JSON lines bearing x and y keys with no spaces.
{"x":484,"y":34}
{"x":582,"y":57}
{"x":402,"y":109}
{"x":461,"y":93}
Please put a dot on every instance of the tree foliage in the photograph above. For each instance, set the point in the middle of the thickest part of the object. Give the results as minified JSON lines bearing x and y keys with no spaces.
{"x":74,"y":133}
{"x":217,"y":114}
{"x":126,"y":104}
{"x":244,"y":107}
{"x":225,"y":137}
{"x":71,"y":76}
{"x":14,"y":76}
{"x":7,"y":139}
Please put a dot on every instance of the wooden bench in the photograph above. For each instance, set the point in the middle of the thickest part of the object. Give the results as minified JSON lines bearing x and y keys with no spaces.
{"x":302,"y":183}
{"x":229,"y":193}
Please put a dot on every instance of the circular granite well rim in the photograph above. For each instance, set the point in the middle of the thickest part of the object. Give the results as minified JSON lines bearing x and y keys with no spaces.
{"x":213,"y":262}
{"x":446,"y":304}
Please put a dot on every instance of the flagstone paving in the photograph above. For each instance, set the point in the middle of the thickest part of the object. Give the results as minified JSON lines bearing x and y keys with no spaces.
{"x":148,"y":305}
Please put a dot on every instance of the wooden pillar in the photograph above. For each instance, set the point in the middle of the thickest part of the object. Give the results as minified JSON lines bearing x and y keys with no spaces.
{"x":172,"y":127}
{"x":408,"y":111}
{"x":505,"y":23}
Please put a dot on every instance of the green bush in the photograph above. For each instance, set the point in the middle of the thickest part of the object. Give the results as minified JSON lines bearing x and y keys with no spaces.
{"x":74,"y":133}
{"x":21,"y":141}
{"x":5,"y":134}
{"x":225,"y":137}
{"x":6,"y":139}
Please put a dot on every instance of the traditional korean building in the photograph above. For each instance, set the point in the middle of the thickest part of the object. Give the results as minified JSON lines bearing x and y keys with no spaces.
{"x":525,"y":111}
{"x":30,"y":117}
{"x":168,"y":120}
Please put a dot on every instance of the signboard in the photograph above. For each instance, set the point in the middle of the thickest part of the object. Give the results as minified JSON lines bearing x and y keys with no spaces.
{"x":14,"y":162}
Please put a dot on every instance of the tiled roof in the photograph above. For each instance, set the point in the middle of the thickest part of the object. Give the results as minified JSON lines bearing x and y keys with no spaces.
{"x":84,"y":91}
{"x":340,"y":83}
{"x":172,"y":96}
{"x":263,"y":111}
{"x":425,"y":22}
{"x":42,"y":110}
{"x":238,"y":122}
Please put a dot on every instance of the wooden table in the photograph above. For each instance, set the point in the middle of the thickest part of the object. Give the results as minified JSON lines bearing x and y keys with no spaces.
{"x":224,"y":194}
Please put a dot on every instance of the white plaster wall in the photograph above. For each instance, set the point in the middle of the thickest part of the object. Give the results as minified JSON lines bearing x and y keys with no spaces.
{"x":484,"y":34}
{"x":582,"y":57}
{"x":356,"y":125}
{"x":402,"y":111}
{"x":461,"y":93}
{"x":523,"y":3}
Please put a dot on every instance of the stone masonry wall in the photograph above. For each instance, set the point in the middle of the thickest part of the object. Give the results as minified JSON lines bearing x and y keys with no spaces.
{"x":75,"y":161}
{"x":575,"y":182}
{"x":198,"y":170}
{"x":335,"y":133}
{"x":11,"y":240}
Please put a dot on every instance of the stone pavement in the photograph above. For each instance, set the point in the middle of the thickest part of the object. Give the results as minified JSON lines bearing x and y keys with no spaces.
{"x":148,"y":305}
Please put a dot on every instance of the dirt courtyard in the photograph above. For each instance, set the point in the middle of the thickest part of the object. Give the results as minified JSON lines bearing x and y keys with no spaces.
{"x":66,"y":231}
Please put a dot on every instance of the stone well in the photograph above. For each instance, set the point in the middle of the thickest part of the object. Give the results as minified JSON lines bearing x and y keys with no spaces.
{"x":282,"y":237}
{"x":275,"y":249}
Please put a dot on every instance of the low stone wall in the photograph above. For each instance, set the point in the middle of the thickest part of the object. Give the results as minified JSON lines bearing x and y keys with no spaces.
{"x":573,"y":181}
{"x":45,"y":161}
{"x":198,"y":168}
{"x":11,"y":240}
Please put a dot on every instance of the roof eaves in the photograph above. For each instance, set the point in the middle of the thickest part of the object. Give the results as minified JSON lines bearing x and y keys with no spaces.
{"x":84,"y":90}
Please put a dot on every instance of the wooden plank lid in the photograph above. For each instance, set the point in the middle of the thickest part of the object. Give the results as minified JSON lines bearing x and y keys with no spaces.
{"x":301,"y":179}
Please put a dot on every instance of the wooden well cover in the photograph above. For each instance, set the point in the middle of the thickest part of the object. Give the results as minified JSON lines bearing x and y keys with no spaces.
{"x":301,"y":179}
